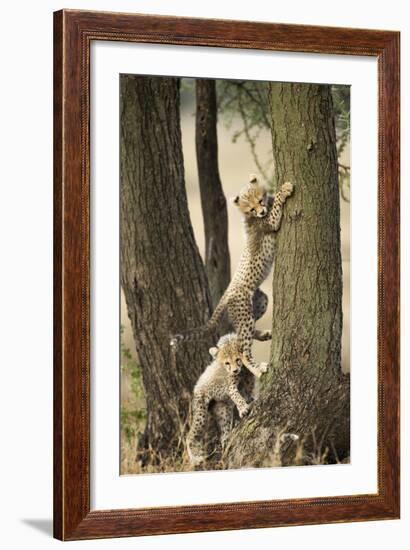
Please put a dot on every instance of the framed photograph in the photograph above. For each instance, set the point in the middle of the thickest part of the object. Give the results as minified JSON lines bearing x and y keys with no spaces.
{"x":226,"y":275}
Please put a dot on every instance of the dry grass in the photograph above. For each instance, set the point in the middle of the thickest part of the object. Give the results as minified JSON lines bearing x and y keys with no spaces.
{"x":318,"y":403}
{"x":130,"y":464}
{"x":308,"y":451}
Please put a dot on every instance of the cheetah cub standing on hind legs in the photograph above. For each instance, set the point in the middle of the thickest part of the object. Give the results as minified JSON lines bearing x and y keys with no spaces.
{"x":217,"y":391}
{"x":243,"y":300}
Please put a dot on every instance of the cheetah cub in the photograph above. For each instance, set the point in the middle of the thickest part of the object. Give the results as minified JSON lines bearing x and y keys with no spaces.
{"x":243,"y":300}
{"x":217,"y":391}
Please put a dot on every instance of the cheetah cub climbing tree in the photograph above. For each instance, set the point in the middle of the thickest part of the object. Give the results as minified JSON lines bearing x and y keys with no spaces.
{"x":243,"y":300}
{"x":218,"y":385}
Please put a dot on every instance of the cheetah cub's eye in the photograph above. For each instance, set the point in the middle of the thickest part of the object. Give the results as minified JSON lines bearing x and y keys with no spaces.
{"x":253,"y":210}
{"x":227,"y":363}
{"x":261,"y":202}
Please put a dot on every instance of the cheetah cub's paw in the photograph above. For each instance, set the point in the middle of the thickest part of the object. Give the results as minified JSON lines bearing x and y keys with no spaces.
{"x":244,"y":411}
{"x":265,"y":335}
{"x":195,"y":454}
{"x":260,"y":369}
{"x":287,"y":188}
{"x":263,"y":367}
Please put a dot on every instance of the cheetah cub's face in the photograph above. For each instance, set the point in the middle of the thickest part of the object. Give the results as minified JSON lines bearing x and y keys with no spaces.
{"x":251,"y":201}
{"x":228,"y":352}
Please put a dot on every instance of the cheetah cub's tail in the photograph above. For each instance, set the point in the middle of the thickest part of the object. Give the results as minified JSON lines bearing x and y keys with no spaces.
{"x":200,"y":333}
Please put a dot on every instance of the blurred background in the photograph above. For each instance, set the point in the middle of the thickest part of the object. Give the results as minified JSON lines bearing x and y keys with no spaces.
{"x":242,"y":150}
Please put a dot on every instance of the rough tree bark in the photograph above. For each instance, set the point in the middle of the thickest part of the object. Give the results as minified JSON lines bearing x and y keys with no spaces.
{"x":213,"y":202}
{"x":162,"y":273}
{"x":304,"y":392}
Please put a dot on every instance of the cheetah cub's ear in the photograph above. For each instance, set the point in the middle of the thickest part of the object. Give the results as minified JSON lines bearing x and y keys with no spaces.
{"x":253,"y":179}
{"x":213,"y":351}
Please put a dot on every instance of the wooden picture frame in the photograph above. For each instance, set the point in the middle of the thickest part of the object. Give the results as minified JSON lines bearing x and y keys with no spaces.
{"x":73,"y":33}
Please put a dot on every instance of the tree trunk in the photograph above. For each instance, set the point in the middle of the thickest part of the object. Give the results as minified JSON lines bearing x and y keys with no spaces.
{"x":213,"y":202}
{"x":162,"y":273}
{"x":304,"y":392}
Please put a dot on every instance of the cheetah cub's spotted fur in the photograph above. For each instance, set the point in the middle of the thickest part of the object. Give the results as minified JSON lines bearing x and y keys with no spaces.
{"x":243,"y":300}
{"x":217,"y":391}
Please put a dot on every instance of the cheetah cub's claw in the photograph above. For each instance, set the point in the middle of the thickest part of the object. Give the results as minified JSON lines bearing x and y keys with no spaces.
{"x":196,"y":455}
{"x":287,"y":188}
